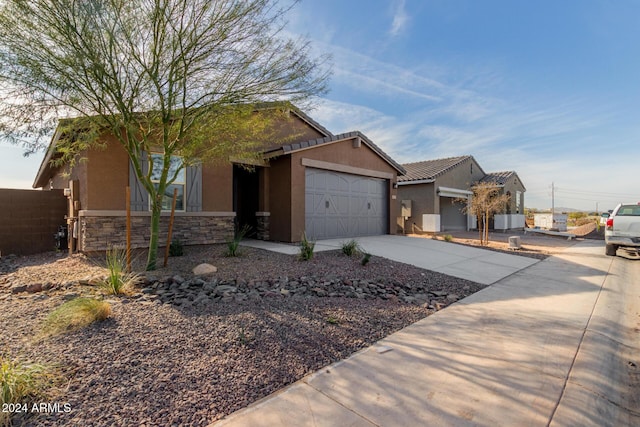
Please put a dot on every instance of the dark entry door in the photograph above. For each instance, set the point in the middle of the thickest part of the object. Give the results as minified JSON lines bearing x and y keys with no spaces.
{"x":245,"y":197}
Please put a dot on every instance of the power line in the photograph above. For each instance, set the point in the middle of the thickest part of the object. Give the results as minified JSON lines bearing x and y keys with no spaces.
{"x":595,"y":192}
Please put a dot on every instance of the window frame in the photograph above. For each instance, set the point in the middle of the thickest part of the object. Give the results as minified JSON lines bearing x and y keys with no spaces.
{"x":182,"y":183}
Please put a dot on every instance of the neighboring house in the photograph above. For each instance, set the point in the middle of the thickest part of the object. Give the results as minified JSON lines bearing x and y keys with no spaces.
{"x":511,"y":185}
{"x":433,"y":194}
{"x":329,"y":186}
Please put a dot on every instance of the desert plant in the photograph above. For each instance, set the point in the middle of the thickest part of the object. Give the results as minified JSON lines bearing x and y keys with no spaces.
{"x":366,"y":257}
{"x":243,"y":337}
{"x":306,"y":248}
{"x":20,"y":383}
{"x":118,"y":281}
{"x":233,"y":245}
{"x":351,"y":248}
{"x":448,"y":238}
{"x":75,"y":314}
{"x":332,"y":320}
{"x":176,"y":248}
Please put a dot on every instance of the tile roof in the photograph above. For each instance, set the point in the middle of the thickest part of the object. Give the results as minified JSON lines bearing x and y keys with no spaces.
{"x":291,"y":148}
{"x":499,"y":178}
{"x":430,"y":169}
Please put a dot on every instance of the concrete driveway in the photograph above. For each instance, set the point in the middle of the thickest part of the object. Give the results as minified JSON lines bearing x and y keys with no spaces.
{"x":478,"y":265}
{"x":555,"y":344}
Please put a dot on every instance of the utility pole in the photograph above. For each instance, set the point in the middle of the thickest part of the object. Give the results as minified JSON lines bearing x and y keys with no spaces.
{"x":553,"y":206}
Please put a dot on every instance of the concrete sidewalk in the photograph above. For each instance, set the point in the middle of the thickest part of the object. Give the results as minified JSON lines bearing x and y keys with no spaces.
{"x":554,"y":344}
{"x":479,"y":265}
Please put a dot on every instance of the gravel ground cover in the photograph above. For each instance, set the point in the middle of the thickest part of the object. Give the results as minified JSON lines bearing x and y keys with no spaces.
{"x":157,"y":362}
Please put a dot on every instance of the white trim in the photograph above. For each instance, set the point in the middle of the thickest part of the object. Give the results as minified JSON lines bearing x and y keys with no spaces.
{"x":263,"y":213}
{"x":418,"y":181}
{"x":453,"y":192}
{"x":336,"y":167}
{"x":92,"y":213}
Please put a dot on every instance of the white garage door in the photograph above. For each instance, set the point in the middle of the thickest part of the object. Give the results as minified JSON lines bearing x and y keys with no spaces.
{"x":342,"y":205}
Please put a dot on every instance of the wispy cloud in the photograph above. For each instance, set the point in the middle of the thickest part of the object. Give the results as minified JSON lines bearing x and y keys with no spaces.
{"x":435,"y":110}
{"x":400,"y":18}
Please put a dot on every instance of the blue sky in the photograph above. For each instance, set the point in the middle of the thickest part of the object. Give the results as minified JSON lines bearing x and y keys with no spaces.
{"x":550,"y":89}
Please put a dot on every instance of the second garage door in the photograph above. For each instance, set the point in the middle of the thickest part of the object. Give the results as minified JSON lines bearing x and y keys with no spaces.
{"x":340,"y":205}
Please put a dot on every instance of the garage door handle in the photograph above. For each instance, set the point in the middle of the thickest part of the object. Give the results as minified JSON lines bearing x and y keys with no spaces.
{"x":326,"y":204}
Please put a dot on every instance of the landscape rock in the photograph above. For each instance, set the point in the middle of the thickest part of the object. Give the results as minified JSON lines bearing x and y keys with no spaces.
{"x":16,"y":289}
{"x":34,"y":288}
{"x":204,"y":269}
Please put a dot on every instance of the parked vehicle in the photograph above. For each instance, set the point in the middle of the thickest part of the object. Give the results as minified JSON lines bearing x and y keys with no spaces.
{"x":623,"y":229}
{"x":604,"y":217}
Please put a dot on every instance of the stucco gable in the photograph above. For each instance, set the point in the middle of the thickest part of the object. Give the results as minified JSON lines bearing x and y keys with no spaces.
{"x":357,"y":136}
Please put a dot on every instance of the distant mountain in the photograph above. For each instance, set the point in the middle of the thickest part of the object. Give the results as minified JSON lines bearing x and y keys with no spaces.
{"x":565,"y":210}
{"x":558,"y":209}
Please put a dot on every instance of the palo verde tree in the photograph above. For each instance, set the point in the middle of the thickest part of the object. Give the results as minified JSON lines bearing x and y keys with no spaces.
{"x":485,"y":202}
{"x":173,"y":76}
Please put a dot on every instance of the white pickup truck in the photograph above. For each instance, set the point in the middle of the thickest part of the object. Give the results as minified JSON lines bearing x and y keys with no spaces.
{"x":623,"y":229}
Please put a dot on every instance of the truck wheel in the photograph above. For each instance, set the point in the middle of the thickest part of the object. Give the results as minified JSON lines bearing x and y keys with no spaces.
{"x":610,"y":250}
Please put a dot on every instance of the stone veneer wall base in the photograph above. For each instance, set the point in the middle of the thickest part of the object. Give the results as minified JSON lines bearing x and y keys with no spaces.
{"x":99,"y":233}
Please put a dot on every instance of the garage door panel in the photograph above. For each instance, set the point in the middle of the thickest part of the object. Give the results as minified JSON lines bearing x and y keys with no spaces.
{"x":452,"y":215}
{"x":357,"y":205}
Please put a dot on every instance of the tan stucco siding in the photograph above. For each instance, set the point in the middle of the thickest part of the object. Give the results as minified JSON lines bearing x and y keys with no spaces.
{"x":295,"y":130}
{"x":280,"y":199}
{"x":423,"y":201}
{"x":107,"y":177}
{"x":217,"y":187}
{"x":61,"y":177}
{"x":512,"y":186}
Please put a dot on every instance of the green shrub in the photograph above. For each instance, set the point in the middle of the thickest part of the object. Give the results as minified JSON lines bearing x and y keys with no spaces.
{"x":76,"y":314}
{"x":233,"y":246}
{"x":306,"y":248}
{"x":175,"y":248}
{"x":332,"y":320}
{"x":365,"y":258}
{"x":21,"y":383}
{"x":448,"y":238}
{"x":351,"y":248}
{"x":118,"y":281}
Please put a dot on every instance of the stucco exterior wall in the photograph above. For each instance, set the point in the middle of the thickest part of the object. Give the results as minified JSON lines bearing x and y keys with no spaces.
{"x":280,"y":199}
{"x":295,"y":130}
{"x":107,"y":177}
{"x":423,"y":201}
{"x":217,"y":187}
{"x":512,"y":186}
{"x":61,"y":177}
{"x":461,"y":177}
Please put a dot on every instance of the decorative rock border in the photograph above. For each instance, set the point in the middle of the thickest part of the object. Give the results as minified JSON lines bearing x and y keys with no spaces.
{"x":196,"y":292}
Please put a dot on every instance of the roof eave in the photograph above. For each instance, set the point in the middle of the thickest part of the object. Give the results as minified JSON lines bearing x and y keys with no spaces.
{"x":417,"y":181}
{"x":45,"y":167}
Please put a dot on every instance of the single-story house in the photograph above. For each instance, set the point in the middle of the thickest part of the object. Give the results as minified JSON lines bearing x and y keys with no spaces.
{"x":433,"y":195}
{"x":318,"y":183}
{"x":510,"y":184}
